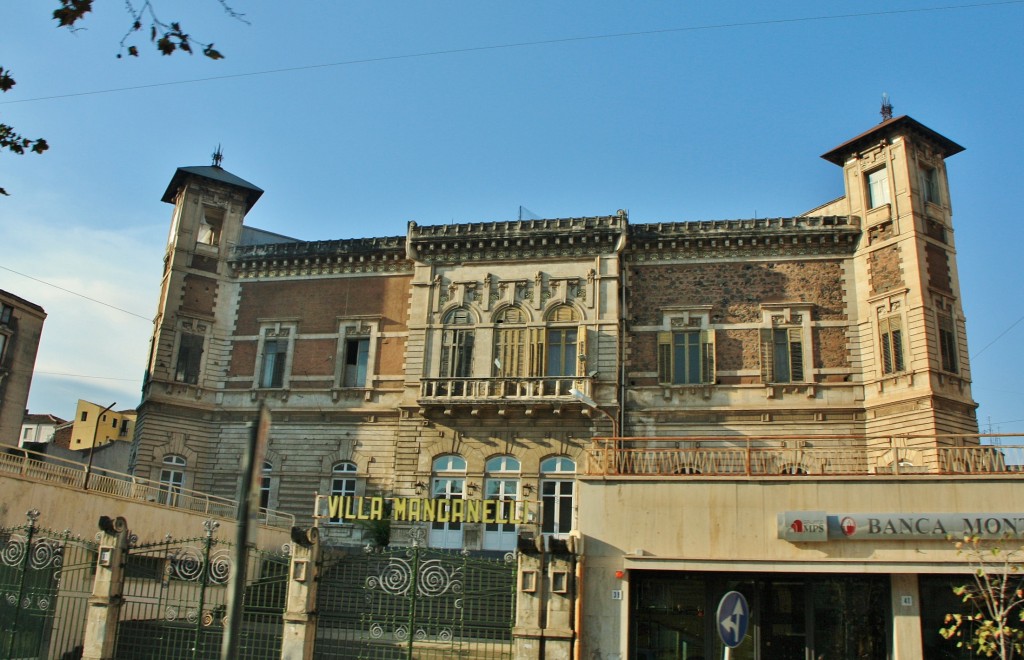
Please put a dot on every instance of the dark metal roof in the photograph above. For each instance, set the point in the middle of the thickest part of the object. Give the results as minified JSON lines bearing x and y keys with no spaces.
{"x":213,"y":173}
{"x":901,"y":124}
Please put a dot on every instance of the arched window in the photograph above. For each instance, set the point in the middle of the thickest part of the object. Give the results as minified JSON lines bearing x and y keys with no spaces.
{"x":448,"y":483}
{"x":343,"y":482}
{"x":172,"y":479}
{"x":502,"y":484}
{"x":563,"y":347}
{"x":510,"y":340}
{"x":557,"y":494}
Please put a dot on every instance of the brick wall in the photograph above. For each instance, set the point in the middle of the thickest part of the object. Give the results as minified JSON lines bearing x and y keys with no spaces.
{"x":884,"y":266}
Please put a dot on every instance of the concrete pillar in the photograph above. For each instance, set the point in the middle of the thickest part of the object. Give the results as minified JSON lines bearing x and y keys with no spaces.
{"x":906,"y":617}
{"x":561,"y":589}
{"x":527,"y":634}
{"x":105,"y":602}
{"x":300,"y":608}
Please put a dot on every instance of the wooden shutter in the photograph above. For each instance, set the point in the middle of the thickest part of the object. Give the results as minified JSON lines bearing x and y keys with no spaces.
{"x":536,"y":350}
{"x":896,"y":333}
{"x":665,"y":358}
{"x":796,"y":355}
{"x":767,"y":356}
{"x":707,"y":357}
{"x":582,"y":352}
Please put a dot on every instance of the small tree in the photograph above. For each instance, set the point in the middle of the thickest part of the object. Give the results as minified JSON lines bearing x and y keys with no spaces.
{"x":993,"y":599}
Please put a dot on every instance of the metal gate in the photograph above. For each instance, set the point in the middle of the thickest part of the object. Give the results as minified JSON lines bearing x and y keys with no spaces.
{"x":45,"y":582}
{"x":414,"y":603}
{"x":175,"y":600}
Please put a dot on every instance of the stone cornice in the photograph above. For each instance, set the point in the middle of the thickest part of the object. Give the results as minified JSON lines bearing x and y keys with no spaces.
{"x":768,"y":237}
{"x":517,"y":239}
{"x":310,"y":258}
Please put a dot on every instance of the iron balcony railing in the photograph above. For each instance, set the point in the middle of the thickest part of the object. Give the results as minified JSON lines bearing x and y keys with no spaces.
{"x":501,"y":388}
{"x":72,"y":474}
{"x":829,"y":456}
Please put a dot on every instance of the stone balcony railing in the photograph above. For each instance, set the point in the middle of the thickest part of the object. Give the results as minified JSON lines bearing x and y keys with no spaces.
{"x":476,"y":390}
{"x":828,"y":456}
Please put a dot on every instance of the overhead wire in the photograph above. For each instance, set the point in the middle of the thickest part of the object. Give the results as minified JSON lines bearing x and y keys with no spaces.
{"x":521,"y":44}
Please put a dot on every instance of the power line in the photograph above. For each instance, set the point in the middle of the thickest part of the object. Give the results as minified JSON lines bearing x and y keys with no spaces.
{"x":1000,"y":336}
{"x":55,"y":373}
{"x":525,"y":44}
{"x":75,"y":293}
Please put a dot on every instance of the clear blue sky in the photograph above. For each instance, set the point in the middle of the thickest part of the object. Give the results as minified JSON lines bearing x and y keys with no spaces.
{"x":386,"y":112}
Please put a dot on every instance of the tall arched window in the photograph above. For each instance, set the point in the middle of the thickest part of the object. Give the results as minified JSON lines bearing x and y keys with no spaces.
{"x":457,"y":348}
{"x":172,"y":479}
{"x":343,"y":482}
{"x":510,"y":341}
{"x":448,"y":483}
{"x":502,"y":484}
{"x":557,"y":494}
{"x":563,"y":348}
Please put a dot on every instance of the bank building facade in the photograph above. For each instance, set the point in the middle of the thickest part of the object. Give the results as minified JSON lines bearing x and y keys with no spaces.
{"x":652,"y":415}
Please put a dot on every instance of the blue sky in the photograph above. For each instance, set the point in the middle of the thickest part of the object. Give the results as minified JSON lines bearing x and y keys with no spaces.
{"x":361,"y":116}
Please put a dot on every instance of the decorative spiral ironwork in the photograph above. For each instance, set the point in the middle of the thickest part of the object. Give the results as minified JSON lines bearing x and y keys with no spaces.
{"x":133,"y":540}
{"x":376,"y":631}
{"x":46,"y":554}
{"x":458,"y":603}
{"x":171,"y":613}
{"x":14,"y":551}
{"x":12,"y":599}
{"x":421,"y":635}
{"x":43,"y":603}
{"x":187,"y":564}
{"x":510,"y":557}
{"x":192,"y":615}
{"x":418,"y":535}
{"x":395,"y":579}
{"x":286,"y":548}
{"x":220,"y":567}
{"x":207,"y":619}
{"x":26,"y":602}
{"x":402,"y":633}
{"x":445,"y":635}
{"x":436,"y":579}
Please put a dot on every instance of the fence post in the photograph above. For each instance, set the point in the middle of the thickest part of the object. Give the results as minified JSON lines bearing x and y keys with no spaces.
{"x":105,"y":603}
{"x":300,"y":617}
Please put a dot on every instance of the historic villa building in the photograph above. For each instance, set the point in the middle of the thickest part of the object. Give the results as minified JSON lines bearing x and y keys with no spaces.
{"x":694,"y":407}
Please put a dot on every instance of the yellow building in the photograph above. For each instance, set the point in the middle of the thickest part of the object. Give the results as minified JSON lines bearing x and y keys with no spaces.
{"x":95,"y":425}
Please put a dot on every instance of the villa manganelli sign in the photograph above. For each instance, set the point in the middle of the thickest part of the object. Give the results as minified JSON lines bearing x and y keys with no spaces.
{"x":423,"y":509}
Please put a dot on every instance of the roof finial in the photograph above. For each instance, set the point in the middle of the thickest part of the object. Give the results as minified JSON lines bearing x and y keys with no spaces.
{"x":886,"y":107}
{"x":218,"y":157}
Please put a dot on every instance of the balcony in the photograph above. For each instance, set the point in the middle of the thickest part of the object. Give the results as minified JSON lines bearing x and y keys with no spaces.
{"x":476,"y":391}
{"x":829,"y":456}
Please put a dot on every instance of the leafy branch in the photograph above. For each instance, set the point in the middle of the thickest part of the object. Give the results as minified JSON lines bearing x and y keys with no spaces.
{"x":993,"y":598}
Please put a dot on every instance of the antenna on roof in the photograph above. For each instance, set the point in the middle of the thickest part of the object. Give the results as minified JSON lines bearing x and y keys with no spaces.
{"x":886,"y":107}
{"x":218,"y":157}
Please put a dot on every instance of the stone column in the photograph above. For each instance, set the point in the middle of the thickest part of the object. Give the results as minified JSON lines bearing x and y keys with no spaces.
{"x":561,"y":583}
{"x":528,"y":634}
{"x":906,"y":617}
{"x":300,"y":609}
{"x":105,"y":602}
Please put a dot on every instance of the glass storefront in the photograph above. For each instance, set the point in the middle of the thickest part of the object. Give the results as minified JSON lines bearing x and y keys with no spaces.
{"x":792,"y":617}
{"x":938,"y":600}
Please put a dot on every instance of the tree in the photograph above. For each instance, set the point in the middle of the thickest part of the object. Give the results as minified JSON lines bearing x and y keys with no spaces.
{"x":167,"y":37}
{"x":993,"y":598}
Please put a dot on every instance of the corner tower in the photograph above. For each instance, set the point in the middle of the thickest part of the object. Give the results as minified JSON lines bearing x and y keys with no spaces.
{"x":910,"y":337}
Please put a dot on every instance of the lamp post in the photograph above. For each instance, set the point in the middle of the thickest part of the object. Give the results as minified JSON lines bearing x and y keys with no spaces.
{"x":92,"y":447}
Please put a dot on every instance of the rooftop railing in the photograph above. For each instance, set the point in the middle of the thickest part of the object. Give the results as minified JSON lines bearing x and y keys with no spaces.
{"x":72,"y":474}
{"x":829,"y":456}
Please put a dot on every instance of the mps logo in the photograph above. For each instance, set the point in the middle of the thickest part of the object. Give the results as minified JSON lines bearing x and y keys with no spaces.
{"x":848,"y":525}
{"x":799,"y":526}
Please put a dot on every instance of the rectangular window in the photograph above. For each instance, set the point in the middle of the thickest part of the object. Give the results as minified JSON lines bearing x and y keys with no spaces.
{"x":5,"y":314}
{"x":930,"y":185}
{"x":457,"y":354}
{"x":891,"y":331}
{"x":686,"y":358}
{"x":782,"y":355}
{"x":3,"y":344}
{"x":190,"y":354}
{"x":878,"y":188}
{"x":210,"y":224}
{"x":357,"y":354}
{"x":85,"y":415}
{"x":275,"y":351}
{"x":947,"y":343}
{"x":556,"y":506}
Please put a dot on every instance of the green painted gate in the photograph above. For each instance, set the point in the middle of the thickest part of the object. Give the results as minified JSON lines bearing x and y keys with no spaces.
{"x":175,"y":600}
{"x":414,"y":603}
{"x":45,"y":582}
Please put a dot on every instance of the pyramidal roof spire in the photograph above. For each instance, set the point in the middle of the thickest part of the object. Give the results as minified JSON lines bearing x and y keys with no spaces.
{"x":886,"y":108}
{"x":218,"y":157}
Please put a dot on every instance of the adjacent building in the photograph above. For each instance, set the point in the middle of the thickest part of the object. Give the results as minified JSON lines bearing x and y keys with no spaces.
{"x":38,"y":429}
{"x":96,"y":425}
{"x":21,"y":325}
{"x":680,"y":399}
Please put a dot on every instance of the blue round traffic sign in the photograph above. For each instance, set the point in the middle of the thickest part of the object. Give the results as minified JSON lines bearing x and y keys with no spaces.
{"x":733,"y":617}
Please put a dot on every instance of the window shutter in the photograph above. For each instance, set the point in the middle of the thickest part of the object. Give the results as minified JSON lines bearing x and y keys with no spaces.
{"x":796,"y":355}
{"x":707,"y":357}
{"x":767,"y":356}
{"x":536,"y":365}
{"x":582,"y":351}
{"x":896,"y":331}
{"x":665,"y":358}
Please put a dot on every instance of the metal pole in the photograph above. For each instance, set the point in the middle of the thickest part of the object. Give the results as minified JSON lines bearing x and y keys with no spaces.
{"x":252,"y":463}
{"x":92,"y":447}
